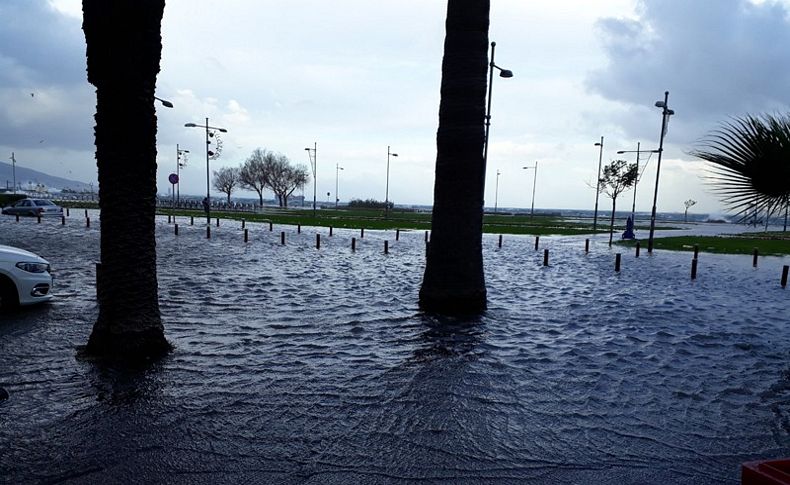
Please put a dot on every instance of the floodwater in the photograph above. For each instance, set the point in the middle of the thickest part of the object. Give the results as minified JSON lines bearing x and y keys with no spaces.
{"x":305,"y":366}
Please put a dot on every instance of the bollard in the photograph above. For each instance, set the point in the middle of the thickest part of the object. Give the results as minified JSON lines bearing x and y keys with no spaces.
{"x":617,"y":258}
{"x":175,"y":229}
{"x":38,"y":218}
{"x":353,"y":244}
{"x":537,"y":241}
{"x":318,"y":241}
{"x":86,"y":213}
{"x":500,"y":240}
{"x":246,"y":235}
{"x":397,"y":234}
{"x":638,"y":247}
{"x":362,"y":233}
{"x":586,"y":245}
{"x":17,"y":217}
{"x":62,"y":220}
{"x":696,"y":251}
{"x":754,"y":258}
{"x":67,"y":211}
{"x":545,"y":257}
{"x":87,"y":222}
{"x":168,"y":218}
{"x":270,"y":226}
{"x":386,"y":247}
{"x":282,"y":238}
{"x":785,"y":270}
{"x":694,"y":269}
{"x":330,"y":231}
{"x":298,"y":228}
{"x":191,"y":220}
{"x":243,"y":223}
{"x":217,"y":221}
{"x":208,"y":231}
{"x":426,"y":236}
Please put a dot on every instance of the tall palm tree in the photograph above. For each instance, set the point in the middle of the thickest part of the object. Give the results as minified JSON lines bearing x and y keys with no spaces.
{"x":454,"y":280}
{"x":124,"y":48}
{"x":751,"y":163}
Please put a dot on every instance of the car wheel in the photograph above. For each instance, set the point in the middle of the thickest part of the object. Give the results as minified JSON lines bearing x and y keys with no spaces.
{"x":9,"y":298}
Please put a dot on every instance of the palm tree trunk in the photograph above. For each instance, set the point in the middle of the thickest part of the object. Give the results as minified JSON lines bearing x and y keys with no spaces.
{"x":454,"y":281}
{"x":123,"y":53}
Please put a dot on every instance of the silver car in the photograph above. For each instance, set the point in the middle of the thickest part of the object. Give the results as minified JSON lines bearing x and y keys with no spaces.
{"x":34,"y":208}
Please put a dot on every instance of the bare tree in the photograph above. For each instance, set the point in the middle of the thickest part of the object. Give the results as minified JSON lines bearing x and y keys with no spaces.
{"x":283,"y":178}
{"x":227,"y":179}
{"x":252,"y":175}
{"x":688,"y":205}
{"x":617,"y":177}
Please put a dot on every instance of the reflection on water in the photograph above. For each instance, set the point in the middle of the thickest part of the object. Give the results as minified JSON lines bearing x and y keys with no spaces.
{"x":293,"y":365}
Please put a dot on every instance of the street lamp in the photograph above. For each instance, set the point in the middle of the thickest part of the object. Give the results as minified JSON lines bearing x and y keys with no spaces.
{"x":534,"y":181}
{"x":665,"y":114}
{"x":13,"y":169}
{"x":209,"y":153}
{"x":496,"y":190}
{"x":179,"y":164}
{"x":598,"y":183}
{"x":312,"y":154}
{"x":338,"y":168}
{"x":502,"y":73}
{"x":636,"y":181}
{"x":387,"y":193}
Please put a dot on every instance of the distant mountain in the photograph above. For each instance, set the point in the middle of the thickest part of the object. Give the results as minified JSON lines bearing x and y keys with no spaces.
{"x":26,"y":176}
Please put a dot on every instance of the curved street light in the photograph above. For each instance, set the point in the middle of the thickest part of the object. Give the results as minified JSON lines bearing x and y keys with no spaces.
{"x":312,"y":155}
{"x":208,"y":154}
{"x":534,"y":181}
{"x":665,"y":114}
{"x":505,"y":73}
{"x":338,"y":168}
{"x":387,"y":192}
{"x":598,"y":183}
{"x":496,"y":190}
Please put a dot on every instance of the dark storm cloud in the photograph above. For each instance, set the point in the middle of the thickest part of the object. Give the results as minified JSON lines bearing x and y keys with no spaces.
{"x":39,"y":45}
{"x":718,"y":58}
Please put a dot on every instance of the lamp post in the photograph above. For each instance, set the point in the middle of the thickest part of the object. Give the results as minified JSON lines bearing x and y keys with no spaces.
{"x":665,"y":114}
{"x":598,"y":183}
{"x":338,"y":168}
{"x":502,"y":73}
{"x":13,"y":169}
{"x":534,"y":181}
{"x":312,"y":155}
{"x":387,"y":192}
{"x":208,"y":154}
{"x":496,"y":190}
{"x":179,"y":152}
{"x":637,"y":151}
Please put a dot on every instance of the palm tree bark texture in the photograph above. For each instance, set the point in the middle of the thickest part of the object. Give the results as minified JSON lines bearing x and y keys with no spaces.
{"x":454,"y":282}
{"x":124,"y":47}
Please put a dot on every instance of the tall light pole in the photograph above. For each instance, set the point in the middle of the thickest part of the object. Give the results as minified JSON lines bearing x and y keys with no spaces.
{"x":179,"y":152}
{"x":338,"y":168}
{"x":312,"y":155}
{"x":387,"y":192}
{"x":598,"y":183}
{"x":496,"y":190}
{"x":502,"y":73}
{"x":637,"y":151}
{"x":665,"y":114}
{"x":534,"y":181}
{"x":13,"y":169}
{"x":209,"y":153}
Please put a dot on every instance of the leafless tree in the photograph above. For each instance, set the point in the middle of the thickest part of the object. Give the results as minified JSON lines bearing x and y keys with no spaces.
{"x":227,"y":179}
{"x":266,"y":169}
{"x":252,"y":175}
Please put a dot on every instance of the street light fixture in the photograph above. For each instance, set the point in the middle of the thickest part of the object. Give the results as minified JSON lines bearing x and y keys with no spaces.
{"x":312,"y":155}
{"x":209,"y":153}
{"x":638,"y":176}
{"x":502,"y":73}
{"x":598,"y":183}
{"x":13,"y":169}
{"x":534,"y":181}
{"x":665,"y":114}
{"x":179,"y":164}
{"x":387,"y":193}
{"x":496,"y":190}
{"x":338,"y":168}
{"x":165,"y":103}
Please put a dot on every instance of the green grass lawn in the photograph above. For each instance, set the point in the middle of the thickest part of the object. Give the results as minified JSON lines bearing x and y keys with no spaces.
{"x":766,"y":243}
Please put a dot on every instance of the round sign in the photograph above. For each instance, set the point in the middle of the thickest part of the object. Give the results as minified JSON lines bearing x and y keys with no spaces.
{"x":173,"y":178}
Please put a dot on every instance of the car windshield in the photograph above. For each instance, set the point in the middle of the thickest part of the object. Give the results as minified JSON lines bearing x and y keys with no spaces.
{"x":43,"y":202}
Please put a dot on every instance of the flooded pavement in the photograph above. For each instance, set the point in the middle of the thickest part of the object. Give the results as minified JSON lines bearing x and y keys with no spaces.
{"x":297,"y":365}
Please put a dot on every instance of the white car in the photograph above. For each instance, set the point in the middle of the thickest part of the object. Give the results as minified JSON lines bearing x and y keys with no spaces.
{"x":25,"y":278}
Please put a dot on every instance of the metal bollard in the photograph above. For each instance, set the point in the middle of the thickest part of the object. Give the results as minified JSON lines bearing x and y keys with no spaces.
{"x":246,"y":235}
{"x":168,"y":218}
{"x":175,"y":228}
{"x":386,"y":247}
{"x":362,"y":233}
{"x":191,"y":220}
{"x":298,"y":228}
{"x":353,"y":244}
{"x":330,"y":231}
{"x":638,"y":247}
{"x":617,"y":258}
{"x":500,"y":240}
{"x":318,"y":241}
{"x":67,"y":212}
{"x":282,"y":238}
{"x":87,"y":222}
{"x":785,"y":270}
{"x":17,"y":217}
{"x":217,"y":221}
{"x":586,"y":245}
{"x":545,"y":257}
{"x":243,"y":223}
{"x":208,"y":231}
{"x":62,"y":220}
{"x":270,"y":226}
{"x":696,"y":251}
{"x":38,"y":219}
{"x":694,"y":269}
{"x":754,"y":258}
{"x":537,"y":242}
{"x":86,"y":213}
{"x":397,"y":234}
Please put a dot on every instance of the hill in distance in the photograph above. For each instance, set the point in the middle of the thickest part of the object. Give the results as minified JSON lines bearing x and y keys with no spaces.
{"x":26,"y":176}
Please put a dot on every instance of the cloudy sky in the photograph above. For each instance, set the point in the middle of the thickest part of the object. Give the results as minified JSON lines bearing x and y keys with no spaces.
{"x":356,"y":76}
